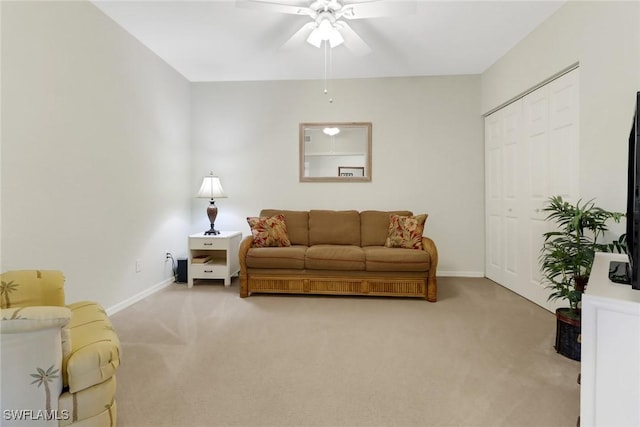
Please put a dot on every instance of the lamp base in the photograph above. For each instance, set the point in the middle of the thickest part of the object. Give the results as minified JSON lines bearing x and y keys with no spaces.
{"x":211,"y":231}
{"x":212,"y":213}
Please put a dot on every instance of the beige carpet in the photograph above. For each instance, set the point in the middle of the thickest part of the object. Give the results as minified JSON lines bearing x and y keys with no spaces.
{"x":480,"y":356}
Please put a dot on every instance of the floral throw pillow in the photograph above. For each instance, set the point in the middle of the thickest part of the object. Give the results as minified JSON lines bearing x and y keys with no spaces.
{"x":406,"y":231}
{"x":269,"y":231}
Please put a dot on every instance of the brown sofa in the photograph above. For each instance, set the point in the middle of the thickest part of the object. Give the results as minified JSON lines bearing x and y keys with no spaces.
{"x":341,"y":253}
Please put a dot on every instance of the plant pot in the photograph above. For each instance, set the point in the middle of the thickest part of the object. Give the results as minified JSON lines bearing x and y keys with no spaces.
{"x":568,"y":330}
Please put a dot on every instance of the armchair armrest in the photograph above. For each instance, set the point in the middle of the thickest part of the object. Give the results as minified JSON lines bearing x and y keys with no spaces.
{"x":95,"y":354}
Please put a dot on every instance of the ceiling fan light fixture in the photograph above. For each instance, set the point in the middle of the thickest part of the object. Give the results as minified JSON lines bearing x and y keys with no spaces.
{"x":314,"y":38}
{"x":336,"y":38}
{"x":325,"y":30}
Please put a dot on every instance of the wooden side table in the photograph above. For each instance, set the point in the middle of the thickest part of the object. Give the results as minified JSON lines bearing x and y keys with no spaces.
{"x":214,"y":256}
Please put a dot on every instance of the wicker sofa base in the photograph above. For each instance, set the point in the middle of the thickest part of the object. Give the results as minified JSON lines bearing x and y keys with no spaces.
{"x":339,"y":285}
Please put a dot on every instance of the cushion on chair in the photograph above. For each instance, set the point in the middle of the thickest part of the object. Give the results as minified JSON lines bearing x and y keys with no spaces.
{"x":95,"y":351}
{"x":26,"y":319}
{"x":32,"y":287}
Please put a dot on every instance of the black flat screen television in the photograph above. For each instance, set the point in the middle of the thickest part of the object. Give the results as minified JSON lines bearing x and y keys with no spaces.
{"x":633,"y":199}
{"x":629,"y":272}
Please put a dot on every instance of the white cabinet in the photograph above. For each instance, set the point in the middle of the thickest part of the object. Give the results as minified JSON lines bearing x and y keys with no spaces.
{"x":610,"y":368}
{"x":214,"y":256}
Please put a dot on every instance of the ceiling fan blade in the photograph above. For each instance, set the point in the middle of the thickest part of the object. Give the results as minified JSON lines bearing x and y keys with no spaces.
{"x":275,"y":7}
{"x":299,"y":37}
{"x":377,"y":9}
{"x":352,"y":40}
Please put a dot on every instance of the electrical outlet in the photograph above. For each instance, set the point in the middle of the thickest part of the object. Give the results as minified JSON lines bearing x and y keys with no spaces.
{"x":167,"y":255}
{"x":138,"y":265}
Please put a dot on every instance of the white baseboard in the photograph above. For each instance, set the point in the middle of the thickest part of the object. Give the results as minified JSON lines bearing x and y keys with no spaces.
{"x":139,"y":296}
{"x":155,"y":288}
{"x":460,"y":273}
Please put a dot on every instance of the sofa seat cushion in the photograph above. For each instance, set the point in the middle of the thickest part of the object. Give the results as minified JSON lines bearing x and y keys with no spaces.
{"x":380,"y":258}
{"x":290,"y":257}
{"x":95,"y":347}
{"x":335,"y":257}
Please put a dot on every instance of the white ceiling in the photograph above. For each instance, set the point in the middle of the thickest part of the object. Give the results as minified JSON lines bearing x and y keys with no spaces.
{"x":216,"y":41}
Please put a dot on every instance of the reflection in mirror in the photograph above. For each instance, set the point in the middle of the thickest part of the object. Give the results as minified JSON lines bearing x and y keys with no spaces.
{"x":335,"y":152}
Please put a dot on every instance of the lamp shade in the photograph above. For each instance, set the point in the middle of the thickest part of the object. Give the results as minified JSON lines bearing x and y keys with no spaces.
{"x":211,"y":188}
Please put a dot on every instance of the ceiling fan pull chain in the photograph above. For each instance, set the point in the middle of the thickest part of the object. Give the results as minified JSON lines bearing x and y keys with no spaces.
{"x":327,"y":68}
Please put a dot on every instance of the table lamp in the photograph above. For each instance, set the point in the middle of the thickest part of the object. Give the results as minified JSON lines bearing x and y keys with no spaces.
{"x":210,"y":188}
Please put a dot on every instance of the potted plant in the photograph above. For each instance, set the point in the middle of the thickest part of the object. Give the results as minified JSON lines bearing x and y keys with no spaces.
{"x":566,"y":259}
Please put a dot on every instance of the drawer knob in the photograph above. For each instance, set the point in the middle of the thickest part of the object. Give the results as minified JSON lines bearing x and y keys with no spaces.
{"x":208,"y":271}
{"x":208,"y":244}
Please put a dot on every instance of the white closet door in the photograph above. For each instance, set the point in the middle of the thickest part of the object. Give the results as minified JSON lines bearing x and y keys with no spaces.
{"x":503,"y":189}
{"x":535,"y":142}
{"x":494,"y":222}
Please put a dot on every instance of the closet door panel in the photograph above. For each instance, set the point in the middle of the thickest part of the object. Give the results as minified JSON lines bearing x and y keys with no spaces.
{"x":494,"y":197}
{"x":563,"y":135}
{"x":512,"y":212}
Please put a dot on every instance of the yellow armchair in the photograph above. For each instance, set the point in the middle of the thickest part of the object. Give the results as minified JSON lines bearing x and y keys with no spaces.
{"x":58,"y":361}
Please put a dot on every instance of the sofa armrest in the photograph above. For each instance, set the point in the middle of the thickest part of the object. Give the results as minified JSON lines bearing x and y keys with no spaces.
{"x":245,"y":245}
{"x":429,"y":246}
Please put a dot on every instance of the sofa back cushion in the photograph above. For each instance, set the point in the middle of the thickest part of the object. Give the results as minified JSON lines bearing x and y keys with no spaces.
{"x":297,"y":224}
{"x":334,"y":227}
{"x":375,"y":226}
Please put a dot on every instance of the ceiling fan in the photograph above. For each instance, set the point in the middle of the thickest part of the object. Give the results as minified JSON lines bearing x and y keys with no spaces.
{"x":328,"y":19}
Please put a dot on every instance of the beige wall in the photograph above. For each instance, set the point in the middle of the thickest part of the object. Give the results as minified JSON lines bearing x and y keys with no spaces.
{"x":427,"y":153}
{"x":95,"y":151}
{"x":604,"y":38}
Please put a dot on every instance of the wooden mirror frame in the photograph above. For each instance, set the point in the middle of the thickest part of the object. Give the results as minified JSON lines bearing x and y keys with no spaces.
{"x":355,"y":169}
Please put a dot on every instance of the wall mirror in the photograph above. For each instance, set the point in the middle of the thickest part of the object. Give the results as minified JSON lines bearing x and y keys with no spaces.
{"x":335,"y":152}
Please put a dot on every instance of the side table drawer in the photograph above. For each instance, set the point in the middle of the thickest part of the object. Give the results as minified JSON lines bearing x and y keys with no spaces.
{"x":204,"y":271}
{"x":207,"y":243}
